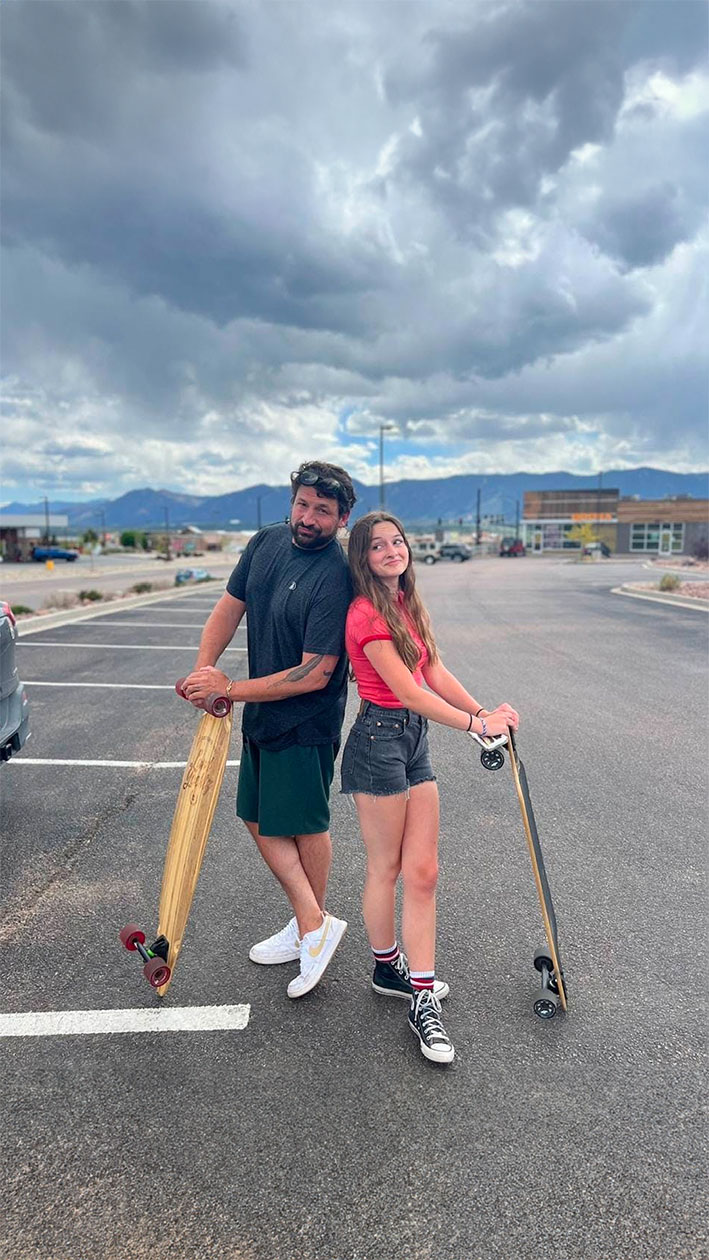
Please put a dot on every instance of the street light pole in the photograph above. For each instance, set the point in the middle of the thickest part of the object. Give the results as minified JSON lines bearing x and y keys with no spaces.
{"x":46,"y":521}
{"x":383,"y":428}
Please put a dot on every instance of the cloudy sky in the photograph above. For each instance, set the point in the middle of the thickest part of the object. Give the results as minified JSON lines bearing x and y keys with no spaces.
{"x":239,"y":234}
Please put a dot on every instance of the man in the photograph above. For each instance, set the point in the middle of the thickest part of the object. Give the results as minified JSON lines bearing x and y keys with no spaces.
{"x":293,"y":581}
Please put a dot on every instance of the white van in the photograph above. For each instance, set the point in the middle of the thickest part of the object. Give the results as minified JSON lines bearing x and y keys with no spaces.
{"x":427,"y":551}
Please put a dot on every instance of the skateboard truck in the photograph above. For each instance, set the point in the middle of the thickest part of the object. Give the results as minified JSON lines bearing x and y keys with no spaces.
{"x":492,"y":756}
{"x":216,"y":704}
{"x":156,"y":970}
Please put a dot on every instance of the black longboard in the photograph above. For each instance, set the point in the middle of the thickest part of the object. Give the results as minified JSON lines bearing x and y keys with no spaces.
{"x":547,"y":961}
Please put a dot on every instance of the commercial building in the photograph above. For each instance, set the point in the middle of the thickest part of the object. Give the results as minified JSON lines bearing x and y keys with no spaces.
{"x":662,"y":527}
{"x":19,"y":534}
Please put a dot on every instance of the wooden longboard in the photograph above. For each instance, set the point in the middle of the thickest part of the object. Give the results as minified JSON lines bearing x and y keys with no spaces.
{"x":191,"y":824}
{"x":540,"y":875}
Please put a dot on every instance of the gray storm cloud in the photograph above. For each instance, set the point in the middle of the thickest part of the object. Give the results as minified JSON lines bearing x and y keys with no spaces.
{"x":235,"y":224}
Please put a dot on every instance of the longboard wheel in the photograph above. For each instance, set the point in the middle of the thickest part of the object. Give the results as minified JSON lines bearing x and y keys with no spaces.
{"x":157,"y":972}
{"x":545,"y":1004}
{"x":130,"y":934}
{"x":217,"y":705}
{"x":542,"y":959}
{"x":492,"y":759}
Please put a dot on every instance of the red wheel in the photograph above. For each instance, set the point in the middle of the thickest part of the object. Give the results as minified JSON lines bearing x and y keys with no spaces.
{"x":130,"y":934}
{"x":157,"y":972}
{"x":178,"y":688}
{"x":217,"y":705}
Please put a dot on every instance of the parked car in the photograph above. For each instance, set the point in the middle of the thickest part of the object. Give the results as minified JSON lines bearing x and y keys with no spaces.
{"x":512,"y":547}
{"x":455,"y":551}
{"x":14,"y":707}
{"x":54,"y":553}
{"x":192,"y":575}
{"x":597,"y":548}
{"x":429,"y":552}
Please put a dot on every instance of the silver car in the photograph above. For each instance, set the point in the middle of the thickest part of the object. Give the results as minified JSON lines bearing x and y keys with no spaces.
{"x":14,"y":706}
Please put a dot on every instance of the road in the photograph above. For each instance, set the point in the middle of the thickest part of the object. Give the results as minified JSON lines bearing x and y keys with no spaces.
{"x":318,"y":1131}
{"x":37,"y":587}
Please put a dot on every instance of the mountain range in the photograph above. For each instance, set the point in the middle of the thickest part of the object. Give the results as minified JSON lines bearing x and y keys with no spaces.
{"x":414,"y":501}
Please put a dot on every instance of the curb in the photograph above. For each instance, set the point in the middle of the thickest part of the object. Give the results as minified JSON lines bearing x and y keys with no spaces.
{"x":678,"y":601}
{"x":31,"y":625}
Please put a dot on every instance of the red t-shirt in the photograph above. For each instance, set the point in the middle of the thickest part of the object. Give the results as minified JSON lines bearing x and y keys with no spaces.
{"x":364,"y":624}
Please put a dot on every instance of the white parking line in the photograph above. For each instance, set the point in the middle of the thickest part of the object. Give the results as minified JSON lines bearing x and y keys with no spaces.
{"x":119,"y":686}
{"x":164,"y":625}
{"x":124,"y":647}
{"x":155,"y":1019}
{"x":116,"y":765}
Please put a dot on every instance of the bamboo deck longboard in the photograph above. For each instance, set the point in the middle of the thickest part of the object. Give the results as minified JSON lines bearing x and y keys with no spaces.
{"x":556,"y":979}
{"x":546,"y":961}
{"x":191,"y":824}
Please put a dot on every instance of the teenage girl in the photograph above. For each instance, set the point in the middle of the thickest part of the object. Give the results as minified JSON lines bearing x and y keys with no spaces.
{"x":387,"y":767}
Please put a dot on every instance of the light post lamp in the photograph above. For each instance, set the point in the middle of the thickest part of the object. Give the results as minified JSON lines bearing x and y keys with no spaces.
{"x":383,"y":428}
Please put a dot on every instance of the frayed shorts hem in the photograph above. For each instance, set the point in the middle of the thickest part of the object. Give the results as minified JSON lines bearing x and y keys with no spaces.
{"x":397,"y":791}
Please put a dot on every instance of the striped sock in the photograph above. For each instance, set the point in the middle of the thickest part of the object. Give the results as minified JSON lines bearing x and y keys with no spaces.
{"x":421,"y":980}
{"x":386,"y":955}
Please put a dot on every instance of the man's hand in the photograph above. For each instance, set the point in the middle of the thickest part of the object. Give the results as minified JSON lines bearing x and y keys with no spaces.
{"x":204,"y":682}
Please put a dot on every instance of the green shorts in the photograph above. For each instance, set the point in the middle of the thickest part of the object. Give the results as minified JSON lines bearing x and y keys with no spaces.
{"x":286,"y":793}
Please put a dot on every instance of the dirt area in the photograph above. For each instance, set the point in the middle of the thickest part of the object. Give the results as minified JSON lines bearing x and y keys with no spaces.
{"x":693,"y":590}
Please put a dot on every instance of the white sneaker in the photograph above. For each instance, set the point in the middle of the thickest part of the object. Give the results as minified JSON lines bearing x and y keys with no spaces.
{"x":316,"y":951}
{"x":283,"y":947}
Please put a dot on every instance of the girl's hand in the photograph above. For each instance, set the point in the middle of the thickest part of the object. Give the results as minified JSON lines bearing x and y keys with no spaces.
{"x":202,"y":683}
{"x":505,"y":711}
{"x":497,"y":723}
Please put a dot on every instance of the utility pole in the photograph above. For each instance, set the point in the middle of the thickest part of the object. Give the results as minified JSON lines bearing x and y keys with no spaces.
{"x":167,"y":535}
{"x":258,"y":510}
{"x":46,"y":521}
{"x":478,"y":535}
{"x":517,"y":521}
{"x":383,"y":428}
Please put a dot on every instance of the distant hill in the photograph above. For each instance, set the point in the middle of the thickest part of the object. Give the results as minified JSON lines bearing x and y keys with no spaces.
{"x":416,"y":502}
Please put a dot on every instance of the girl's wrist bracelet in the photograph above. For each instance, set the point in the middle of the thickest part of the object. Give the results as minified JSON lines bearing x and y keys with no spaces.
{"x":483,"y":723}
{"x":482,"y":706}
{"x":469,"y":727}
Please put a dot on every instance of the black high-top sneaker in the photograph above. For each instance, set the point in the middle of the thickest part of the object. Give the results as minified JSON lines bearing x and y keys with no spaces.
{"x":425,"y":1021}
{"x":392,"y":980}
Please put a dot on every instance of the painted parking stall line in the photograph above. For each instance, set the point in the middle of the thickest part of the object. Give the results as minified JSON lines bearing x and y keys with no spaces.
{"x":156,"y":1019}
{"x":105,"y":764}
{"x":36,"y":682}
{"x":122,"y":647}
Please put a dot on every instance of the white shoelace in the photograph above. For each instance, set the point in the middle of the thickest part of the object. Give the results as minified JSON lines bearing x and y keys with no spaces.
{"x":427,"y":1008}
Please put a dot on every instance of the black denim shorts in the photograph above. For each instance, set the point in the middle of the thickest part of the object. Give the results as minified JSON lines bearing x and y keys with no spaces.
{"x":386,"y":752}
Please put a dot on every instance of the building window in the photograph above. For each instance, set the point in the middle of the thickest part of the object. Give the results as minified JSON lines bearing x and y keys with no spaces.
{"x":662,"y":536}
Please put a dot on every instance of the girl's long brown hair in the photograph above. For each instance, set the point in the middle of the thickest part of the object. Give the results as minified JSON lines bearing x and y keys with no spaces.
{"x":377,"y":592}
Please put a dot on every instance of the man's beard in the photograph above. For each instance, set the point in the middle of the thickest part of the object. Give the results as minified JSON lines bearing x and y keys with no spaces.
{"x":312,"y":540}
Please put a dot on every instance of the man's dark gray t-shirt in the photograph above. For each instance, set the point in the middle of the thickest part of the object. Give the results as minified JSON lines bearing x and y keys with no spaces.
{"x":296,"y":602}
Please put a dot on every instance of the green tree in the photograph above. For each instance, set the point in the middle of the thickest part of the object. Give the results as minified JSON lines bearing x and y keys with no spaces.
{"x":584,"y":534}
{"x":89,"y":536}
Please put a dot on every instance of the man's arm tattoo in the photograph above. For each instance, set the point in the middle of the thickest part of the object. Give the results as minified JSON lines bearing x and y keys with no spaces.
{"x":302,"y":671}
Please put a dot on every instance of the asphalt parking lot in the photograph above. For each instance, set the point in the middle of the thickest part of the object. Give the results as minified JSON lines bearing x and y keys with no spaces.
{"x":315,"y":1130}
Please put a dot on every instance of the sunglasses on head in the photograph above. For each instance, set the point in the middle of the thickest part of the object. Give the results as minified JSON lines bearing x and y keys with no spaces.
{"x":311,"y":478}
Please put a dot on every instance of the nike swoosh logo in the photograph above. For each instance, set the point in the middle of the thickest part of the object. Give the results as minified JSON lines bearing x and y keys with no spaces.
{"x":314,"y":950}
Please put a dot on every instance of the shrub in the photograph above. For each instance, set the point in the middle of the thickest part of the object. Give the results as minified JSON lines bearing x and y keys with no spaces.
{"x":141,"y":588}
{"x":668,"y":582}
{"x":90,"y":596}
{"x":61,"y":599}
{"x":701,"y":549}
{"x":19,"y":609}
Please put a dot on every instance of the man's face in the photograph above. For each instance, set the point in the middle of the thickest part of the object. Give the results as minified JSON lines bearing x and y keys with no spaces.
{"x":314,"y":519}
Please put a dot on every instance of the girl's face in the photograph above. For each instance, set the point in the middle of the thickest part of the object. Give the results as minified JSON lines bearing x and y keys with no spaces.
{"x":388,"y":554}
